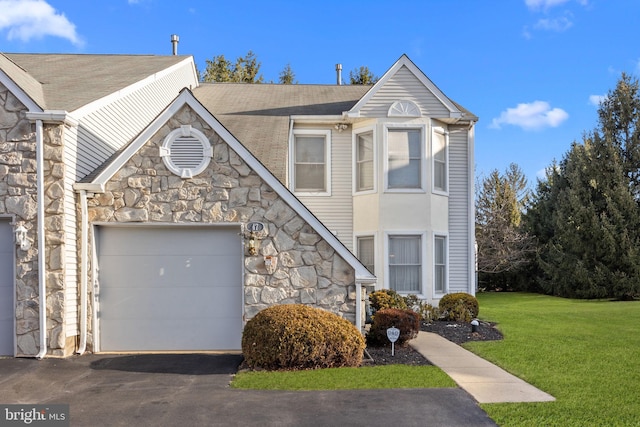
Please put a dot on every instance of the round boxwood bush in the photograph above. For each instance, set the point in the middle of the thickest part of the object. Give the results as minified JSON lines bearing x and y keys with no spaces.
{"x":295,"y":336}
{"x":459,"y":306}
{"x":407,"y":321}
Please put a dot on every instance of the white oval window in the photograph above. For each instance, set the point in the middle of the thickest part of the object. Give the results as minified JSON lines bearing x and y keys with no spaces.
{"x":186,"y":151}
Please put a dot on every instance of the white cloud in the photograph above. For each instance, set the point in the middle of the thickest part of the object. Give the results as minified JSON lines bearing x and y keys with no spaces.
{"x":556,"y":24}
{"x":596,"y":99}
{"x":548,"y":4}
{"x":532,"y":116}
{"x":543,"y":4}
{"x":34,"y":19}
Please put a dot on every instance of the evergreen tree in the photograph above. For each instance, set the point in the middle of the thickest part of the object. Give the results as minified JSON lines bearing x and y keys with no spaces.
{"x":362,"y":76}
{"x":619,"y":116}
{"x":245,"y":70}
{"x":503,"y":246}
{"x":586,"y":221}
{"x":287,"y":76}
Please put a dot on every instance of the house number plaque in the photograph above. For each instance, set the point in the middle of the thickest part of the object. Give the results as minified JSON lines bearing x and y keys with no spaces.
{"x":255,"y":227}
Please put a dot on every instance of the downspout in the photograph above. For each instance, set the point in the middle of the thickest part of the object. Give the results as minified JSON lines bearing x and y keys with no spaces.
{"x":289,"y":161}
{"x":83,"y":272}
{"x":472,"y":264}
{"x":359,"y":306}
{"x":42,"y":263}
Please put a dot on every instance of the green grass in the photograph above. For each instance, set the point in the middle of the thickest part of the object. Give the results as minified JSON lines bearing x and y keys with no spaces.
{"x":585,"y":353}
{"x":390,"y":376}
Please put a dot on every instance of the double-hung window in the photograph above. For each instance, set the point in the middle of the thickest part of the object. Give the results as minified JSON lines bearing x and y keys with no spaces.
{"x":405,"y":263}
{"x":404,"y":158}
{"x":366,"y":252}
{"x":440,"y":264}
{"x":364,"y":166}
{"x":439,"y":147}
{"x":311,"y":162}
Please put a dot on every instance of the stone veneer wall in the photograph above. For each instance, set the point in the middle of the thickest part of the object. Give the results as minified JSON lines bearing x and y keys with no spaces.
{"x":18,"y":199}
{"x":308,"y":269}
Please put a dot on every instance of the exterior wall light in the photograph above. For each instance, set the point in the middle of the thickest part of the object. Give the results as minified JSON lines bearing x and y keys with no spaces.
{"x":252,"y":247}
{"x":22,"y":239}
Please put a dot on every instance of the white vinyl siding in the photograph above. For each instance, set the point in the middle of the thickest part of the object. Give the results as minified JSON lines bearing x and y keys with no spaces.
{"x":460,"y":211}
{"x":439,"y":150}
{"x":405,"y":263}
{"x":364,"y":165}
{"x":103,"y":132}
{"x":404,"y":85}
{"x":336,"y":210}
{"x":404,"y":158}
{"x":440,"y":257}
{"x":70,"y":237}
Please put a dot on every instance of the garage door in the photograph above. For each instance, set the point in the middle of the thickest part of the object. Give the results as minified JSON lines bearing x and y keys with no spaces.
{"x":6,"y":288}
{"x":169,"y":288}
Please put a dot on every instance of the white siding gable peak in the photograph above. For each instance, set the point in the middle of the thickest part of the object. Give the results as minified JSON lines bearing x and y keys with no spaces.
{"x":404,"y":61}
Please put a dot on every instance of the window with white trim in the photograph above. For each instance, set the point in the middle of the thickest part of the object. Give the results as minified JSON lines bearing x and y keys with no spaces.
{"x":404,"y":158}
{"x":405,"y":263}
{"x":364,"y":162}
{"x":439,"y":149}
{"x":311,"y":162}
{"x":186,"y":151}
{"x":440,"y":264}
{"x":366,"y":252}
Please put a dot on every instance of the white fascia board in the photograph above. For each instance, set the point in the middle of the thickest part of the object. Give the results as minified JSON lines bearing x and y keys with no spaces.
{"x":405,"y":61}
{"x":19,"y":93}
{"x":317,"y":119}
{"x":99,"y":103}
{"x":186,"y":98}
{"x":89,"y":187}
{"x":53,"y":116}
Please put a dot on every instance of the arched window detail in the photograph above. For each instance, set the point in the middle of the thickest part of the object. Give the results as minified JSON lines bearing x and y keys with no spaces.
{"x":404,"y":108}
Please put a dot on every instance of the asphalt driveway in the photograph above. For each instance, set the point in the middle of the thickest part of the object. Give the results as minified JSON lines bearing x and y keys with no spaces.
{"x":193,"y":390}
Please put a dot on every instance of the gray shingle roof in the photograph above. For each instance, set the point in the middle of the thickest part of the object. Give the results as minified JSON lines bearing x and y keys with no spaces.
{"x":258,"y":114}
{"x":68,"y":82}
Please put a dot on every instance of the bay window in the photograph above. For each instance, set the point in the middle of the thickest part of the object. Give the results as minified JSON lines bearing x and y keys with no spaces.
{"x":404,"y":158}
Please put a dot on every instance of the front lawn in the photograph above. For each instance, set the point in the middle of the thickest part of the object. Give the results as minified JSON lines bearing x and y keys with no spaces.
{"x":584,"y":353}
{"x":389,"y":376}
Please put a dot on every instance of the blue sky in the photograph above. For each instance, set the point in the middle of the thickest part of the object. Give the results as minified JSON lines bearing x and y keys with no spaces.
{"x":532,"y":70}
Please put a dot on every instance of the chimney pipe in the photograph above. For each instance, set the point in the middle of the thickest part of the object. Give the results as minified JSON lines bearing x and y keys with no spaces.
{"x":174,"y":42}
{"x":339,"y":73}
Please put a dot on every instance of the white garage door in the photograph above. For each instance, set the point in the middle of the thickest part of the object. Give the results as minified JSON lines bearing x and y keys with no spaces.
{"x":169,"y":288}
{"x":6,"y":288}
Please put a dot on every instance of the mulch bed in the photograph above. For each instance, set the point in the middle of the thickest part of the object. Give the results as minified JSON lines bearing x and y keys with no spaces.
{"x":457,"y":332}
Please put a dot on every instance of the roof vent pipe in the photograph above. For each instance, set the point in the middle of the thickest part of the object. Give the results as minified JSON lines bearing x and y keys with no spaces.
{"x":174,"y":42}
{"x":339,"y":73}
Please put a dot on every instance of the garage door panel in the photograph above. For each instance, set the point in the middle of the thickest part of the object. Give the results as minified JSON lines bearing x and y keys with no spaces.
{"x":167,"y":335}
{"x":169,"y":270}
{"x":202,"y":302}
{"x":169,"y":288}
{"x":158,"y":241}
{"x":6,"y":288}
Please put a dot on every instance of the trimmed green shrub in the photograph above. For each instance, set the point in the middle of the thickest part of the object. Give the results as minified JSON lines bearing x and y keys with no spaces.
{"x":427,"y":312}
{"x":408,"y":321}
{"x":459,"y":306}
{"x":386,"y":298}
{"x":295,"y":336}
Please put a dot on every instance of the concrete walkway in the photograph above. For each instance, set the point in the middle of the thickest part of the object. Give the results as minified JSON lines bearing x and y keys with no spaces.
{"x":483,"y":380}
